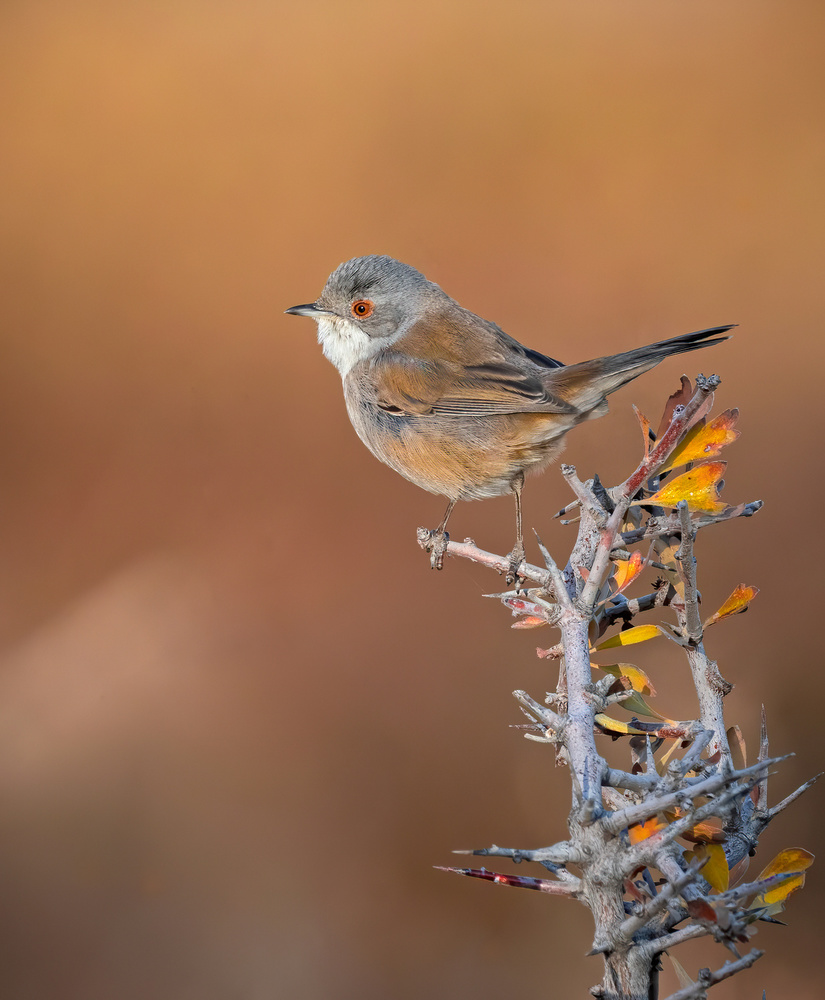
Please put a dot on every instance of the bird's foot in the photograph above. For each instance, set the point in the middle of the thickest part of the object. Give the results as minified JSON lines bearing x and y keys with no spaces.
{"x":514,"y":560}
{"x":434,"y":542}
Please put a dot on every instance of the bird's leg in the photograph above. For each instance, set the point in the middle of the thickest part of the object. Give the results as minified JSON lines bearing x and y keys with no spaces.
{"x":437,"y":544}
{"x":516,"y":557}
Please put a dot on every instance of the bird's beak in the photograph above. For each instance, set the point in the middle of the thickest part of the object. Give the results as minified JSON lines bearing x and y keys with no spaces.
{"x":311,"y":309}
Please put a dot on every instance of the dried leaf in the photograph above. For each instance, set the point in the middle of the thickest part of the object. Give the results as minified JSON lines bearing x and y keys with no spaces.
{"x":637,"y":678}
{"x":639,"y":633}
{"x":641,"y":831}
{"x":698,"y":486}
{"x":735,"y":604}
{"x":704,"y":441}
{"x":738,"y":750}
{"x":666,"y":555}
{"x":700,"y":909}
{"x":679,"y":398}
{"x":626,"y":572}
{"x":644,"y":423}
{"x":681,"y":972}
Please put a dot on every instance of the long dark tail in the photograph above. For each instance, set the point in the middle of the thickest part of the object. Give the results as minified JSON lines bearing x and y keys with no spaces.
{"x":587,"y":384}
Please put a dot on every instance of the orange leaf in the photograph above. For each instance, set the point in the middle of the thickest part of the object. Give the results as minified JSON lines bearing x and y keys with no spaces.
{"x":639,"y":633}
{"x":641,"y":831}
{"x":626,"y":571}
{"x":698,"y":487}
{"x":735,"y":604}
{"x":704,"y":441}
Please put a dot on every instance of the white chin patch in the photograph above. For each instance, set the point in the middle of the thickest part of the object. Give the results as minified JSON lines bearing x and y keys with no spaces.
{"x":344,"y":343}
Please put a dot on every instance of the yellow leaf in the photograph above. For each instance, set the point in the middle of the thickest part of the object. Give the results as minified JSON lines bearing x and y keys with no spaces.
{"x":611,"y":725}
{"x":637,"y":678}
{"x":715,"y":871}
{"x":735,"y":604}
{"x":793,"y":861}
{"x":704,"y":441}
{"x":639,"y":633}
{"x":641,"y":831}
{"x":698,"y":487}
{"x":626,"y":571}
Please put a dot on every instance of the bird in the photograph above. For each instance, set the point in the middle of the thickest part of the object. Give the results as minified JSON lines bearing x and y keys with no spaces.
{"x":447,"y":398}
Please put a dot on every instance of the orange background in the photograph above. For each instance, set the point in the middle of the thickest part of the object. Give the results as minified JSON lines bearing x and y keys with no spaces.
{"x":241,"y":719}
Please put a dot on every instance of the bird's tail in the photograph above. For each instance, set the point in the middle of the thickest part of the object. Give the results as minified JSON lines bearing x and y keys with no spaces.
{"x":586,"y":384}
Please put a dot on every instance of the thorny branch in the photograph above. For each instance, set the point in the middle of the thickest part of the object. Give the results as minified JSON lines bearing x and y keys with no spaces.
{"x":647,"y":891}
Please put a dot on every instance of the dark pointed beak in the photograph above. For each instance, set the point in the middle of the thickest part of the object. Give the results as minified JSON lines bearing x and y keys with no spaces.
{"x":311,"y":309}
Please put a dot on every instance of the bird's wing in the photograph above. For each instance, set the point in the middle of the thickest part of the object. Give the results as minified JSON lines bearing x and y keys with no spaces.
{"x":438,"y":371}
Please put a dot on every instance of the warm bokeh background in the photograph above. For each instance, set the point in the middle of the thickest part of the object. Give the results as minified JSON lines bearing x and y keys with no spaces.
{"x":241,"y":719}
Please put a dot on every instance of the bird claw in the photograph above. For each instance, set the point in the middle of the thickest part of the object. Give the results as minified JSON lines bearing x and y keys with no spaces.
{"x":514,"y":561}
{"x":435,"y":543}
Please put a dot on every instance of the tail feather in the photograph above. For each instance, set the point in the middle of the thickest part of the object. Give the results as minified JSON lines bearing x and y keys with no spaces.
{"x":587,"y":384}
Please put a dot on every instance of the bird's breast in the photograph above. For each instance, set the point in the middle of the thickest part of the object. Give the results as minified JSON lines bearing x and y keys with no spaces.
{"x":457,"y":456}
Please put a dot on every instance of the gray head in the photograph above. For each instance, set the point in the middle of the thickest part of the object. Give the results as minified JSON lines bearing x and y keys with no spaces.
{"x":366,"y":303}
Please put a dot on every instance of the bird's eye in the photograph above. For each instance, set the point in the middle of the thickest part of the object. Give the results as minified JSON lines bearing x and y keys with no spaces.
{"x":362,"y":308}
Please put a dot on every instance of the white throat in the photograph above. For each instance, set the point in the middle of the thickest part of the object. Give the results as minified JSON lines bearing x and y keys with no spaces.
{"x":344,"y":343}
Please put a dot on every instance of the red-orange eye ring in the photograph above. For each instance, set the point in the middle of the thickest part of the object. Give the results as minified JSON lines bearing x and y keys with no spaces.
{"x":362,"y":308}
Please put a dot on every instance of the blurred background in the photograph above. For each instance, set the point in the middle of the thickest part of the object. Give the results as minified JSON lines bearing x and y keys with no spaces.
{"x":241,"y":719}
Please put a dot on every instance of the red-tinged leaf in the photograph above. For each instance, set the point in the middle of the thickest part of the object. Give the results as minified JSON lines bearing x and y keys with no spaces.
{"x":679,"y":398}
{"x":637,"y":678}
{"x":700,"y":909}
{"x":698,"y":487}
{"x":793,"y":862}
{"x":735,"y":604}
{"x":630,"y":636}
{"x":704,"y":441}
{"x":738,"y":750}
{"x":626,"y":572}
{"x":644,"y":423}
{"x":529,"y":621}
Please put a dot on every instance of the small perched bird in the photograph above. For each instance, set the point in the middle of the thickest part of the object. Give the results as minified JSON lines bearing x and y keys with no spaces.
{"x":447,"y":398}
